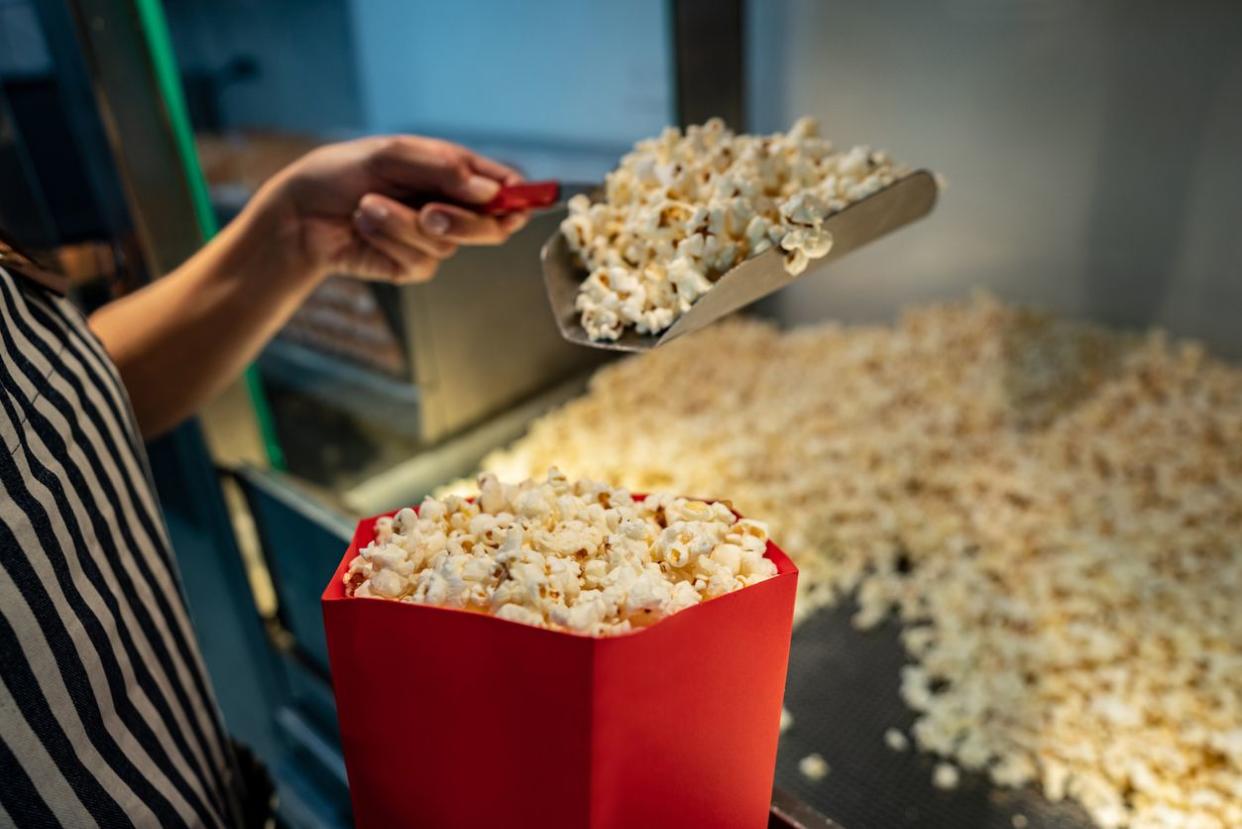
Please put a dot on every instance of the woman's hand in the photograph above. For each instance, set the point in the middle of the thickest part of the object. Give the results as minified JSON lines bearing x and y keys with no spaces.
{"x":386,"y":208}
{"x":381,"y":208}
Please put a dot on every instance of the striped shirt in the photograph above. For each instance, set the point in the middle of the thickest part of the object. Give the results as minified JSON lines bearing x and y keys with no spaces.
{"x":106,"y":714}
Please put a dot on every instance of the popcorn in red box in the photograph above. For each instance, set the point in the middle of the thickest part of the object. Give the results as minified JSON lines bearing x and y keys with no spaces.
{"x":578,"y":556}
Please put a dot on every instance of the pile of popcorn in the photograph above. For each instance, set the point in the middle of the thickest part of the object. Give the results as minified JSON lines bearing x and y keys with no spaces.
{"x":683,"y":209}
{"x":580,"y":556}
{"x":1052,"y":510}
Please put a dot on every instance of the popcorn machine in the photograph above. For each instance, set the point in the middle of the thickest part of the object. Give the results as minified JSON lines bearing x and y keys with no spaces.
{"x":1089,"y":153}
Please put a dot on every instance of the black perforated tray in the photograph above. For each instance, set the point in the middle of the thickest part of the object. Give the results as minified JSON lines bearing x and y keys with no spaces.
{"x":843,"y":693}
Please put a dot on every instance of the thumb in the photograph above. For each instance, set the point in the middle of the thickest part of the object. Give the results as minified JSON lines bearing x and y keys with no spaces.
{"x":465,"y":185}
{"x":423,"y":166}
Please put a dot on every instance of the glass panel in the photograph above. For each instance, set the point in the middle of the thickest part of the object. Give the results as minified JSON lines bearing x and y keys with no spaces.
{"x":1090,"y":149}
{"x":580,"y":79}
{"x":575,"y":73}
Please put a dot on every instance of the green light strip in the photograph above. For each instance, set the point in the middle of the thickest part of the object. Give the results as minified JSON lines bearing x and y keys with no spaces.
{"x":155,"y":29}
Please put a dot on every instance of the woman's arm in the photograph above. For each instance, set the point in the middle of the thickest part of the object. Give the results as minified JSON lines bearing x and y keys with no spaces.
{"x":343,"y":208}
{"x":182,"y":339}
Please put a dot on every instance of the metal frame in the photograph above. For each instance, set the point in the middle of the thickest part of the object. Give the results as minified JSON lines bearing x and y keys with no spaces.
{"x":78,"y":98}
{"x":139,"y":132}
{"x":709,"y":54}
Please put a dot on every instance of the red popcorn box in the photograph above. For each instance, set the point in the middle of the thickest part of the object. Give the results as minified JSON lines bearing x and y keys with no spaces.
{"x":451,"y":718}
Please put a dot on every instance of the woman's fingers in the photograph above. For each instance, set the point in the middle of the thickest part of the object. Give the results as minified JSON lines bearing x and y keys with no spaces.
{"x":415,"y":241}
{"x":393,"y":229}
{"x":465,"y":227}
{"x":494,"y":169}
{"x":514,"y":222}
{"x":370,"y":263}
{"x":408,"y":264}
{"x":381,"y":216}
{"x":412,"y":264}
{"x":426,"y":165}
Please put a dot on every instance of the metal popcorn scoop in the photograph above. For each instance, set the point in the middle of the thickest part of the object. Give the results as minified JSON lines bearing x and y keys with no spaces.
{"x":905,"y":200}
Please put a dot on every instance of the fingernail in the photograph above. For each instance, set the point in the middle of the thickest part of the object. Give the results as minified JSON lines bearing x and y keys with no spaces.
{"x":371,"y":216}
{"x":435,"y":222}
{"x":480,"y":188}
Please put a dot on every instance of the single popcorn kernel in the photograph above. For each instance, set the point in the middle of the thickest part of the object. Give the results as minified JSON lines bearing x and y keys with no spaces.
{"x":577,"y":556}
{"x":813,"y":767}
{"x":945,"y":776}
{"x":895,"y":740}
{"x":681,"y":210}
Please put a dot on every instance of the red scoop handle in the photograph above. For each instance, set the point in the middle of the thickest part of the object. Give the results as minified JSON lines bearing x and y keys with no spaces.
{"x":529,"y":195}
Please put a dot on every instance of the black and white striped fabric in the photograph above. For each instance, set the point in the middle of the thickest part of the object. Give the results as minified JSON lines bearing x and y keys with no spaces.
{"x":106,"y":715}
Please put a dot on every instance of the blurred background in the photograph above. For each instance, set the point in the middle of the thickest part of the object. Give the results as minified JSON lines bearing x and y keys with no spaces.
{"x":1090,"y":150}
